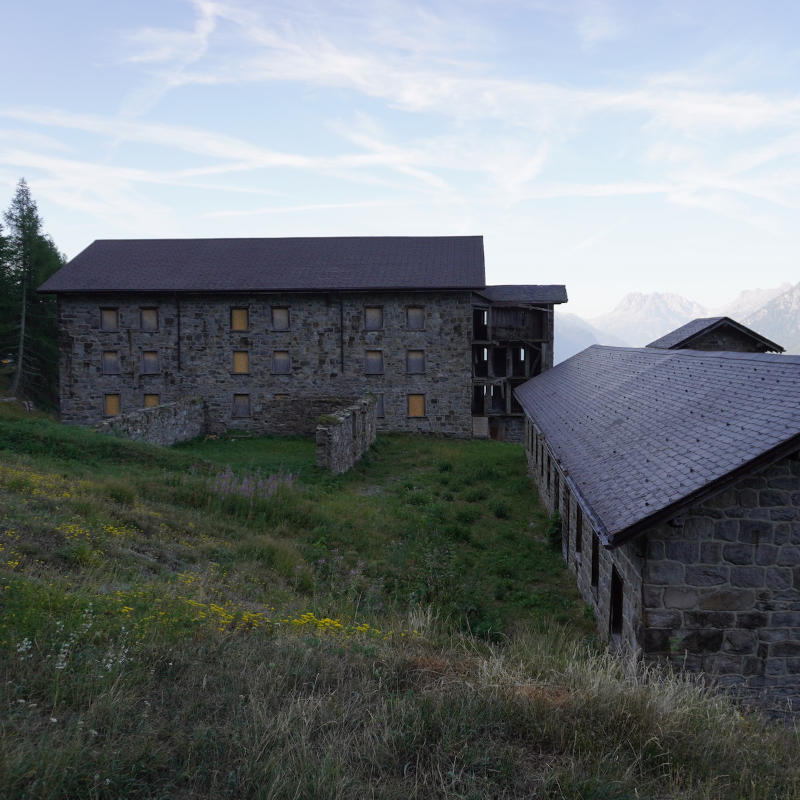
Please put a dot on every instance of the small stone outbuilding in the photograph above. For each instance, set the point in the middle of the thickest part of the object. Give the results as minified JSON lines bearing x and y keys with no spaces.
{"x":677,"y":478}
{"x":716,"y":333}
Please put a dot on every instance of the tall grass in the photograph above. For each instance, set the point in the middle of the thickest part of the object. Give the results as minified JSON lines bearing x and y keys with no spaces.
{"x":174,"y":625}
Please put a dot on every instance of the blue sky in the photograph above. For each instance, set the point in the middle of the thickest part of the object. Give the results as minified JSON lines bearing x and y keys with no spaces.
{"x":611,"y":146}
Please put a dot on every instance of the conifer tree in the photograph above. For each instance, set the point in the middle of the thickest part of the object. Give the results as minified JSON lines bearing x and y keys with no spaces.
{"x":30,"y":329}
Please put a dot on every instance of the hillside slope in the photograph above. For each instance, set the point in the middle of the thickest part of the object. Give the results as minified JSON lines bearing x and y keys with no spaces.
{"x":225,"y":620}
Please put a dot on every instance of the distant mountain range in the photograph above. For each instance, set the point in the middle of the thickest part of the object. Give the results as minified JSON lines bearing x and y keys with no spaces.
{"x":640,"y":318}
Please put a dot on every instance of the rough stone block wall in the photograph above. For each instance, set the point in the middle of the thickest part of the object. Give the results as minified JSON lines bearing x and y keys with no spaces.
{"x":326,"y":342}
{"x":164,"y":424}
{"x":722,"y":587}
{"x":345,"y":434}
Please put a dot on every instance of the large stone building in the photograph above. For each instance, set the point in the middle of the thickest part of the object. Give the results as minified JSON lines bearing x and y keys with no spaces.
{"x":677,"y":478}
{"x":269,"y":333}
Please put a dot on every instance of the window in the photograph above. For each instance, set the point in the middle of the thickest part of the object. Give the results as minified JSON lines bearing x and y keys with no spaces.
{"x":615,"y":611}
{"x":373,"y":318}
{"x":281,"y":398}
{"x":379,"y":407}
{"x":109,"y":319}
{"x":415,"y":361}
{"x":578,"y":529}
{"x":111,"y":405}
{"x":148,"y":319}
{"x":240,"y":319}
{"x":241,"y":362}
{"x":149,"y":362}
{"x":110,"y":362}
{"x":281,"y":363}
{"x":415,"y":318}
{"x":373,"y":362}
{"x":416,"y":405}
{"x":595,"y":560}
{"x":565,"y":521}
{"x":280,"y":319}
{"x":241,"y":405}
{"x":151,"y":400}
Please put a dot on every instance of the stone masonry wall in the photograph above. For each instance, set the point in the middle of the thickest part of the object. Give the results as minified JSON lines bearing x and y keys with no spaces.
{"x":344,"y":435}
{"x":326,"y":341}
{"x":726,"y":338}
{"x":164,"y":424}
{"x":722,"y":591}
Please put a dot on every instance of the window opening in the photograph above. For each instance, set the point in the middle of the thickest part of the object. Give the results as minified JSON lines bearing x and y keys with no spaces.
{"x":150,"y":400}
{"x":498,"y":400}
{"x":415,"y":361}
{"x":416,"y":405}
{"x":241,"y":405}
{"x":109,"y":319}
{"x":578,"y":529}
{"x":241,"y":362}
{"x":499,"y":365}
{"x":148,"y":319}
{"x":379,"y":407}
{"x":519,"y":362}
{"x":281,"y":362}
{"x":150,"y":362}
{"x":595,"y":560}
{"x":415,"y":318}
{"x":615,"y":612}
{"x":110,"y":362}
{"x":480,"y":362}
{"x":280,"y":318}
{"x":373,"y":362}
{"x":479,"y":400}
{"x":240,"y":319}
{"x":373,"y":318}
{"x":111,"y":405}
{"x":480,"y":323}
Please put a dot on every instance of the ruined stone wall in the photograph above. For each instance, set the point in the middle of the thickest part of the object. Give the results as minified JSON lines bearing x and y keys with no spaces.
{"x":326,"y":342}
{"x":163,"y":424}
{"x":343,"y":435}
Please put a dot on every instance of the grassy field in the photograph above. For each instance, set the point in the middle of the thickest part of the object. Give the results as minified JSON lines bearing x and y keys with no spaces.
{"x":223,"y":619}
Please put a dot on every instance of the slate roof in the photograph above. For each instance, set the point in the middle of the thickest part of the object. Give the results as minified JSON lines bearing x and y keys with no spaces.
{"x":509,"y":293}
{"x":303,"y":264}
{"x":681,"y":337}
{"x":643,"y":433}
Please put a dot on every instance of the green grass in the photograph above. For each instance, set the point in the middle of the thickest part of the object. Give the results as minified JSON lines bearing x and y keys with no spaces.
{"x":404,"y":630}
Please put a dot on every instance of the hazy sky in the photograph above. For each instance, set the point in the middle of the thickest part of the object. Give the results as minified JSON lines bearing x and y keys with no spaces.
{"x":611,"y":146}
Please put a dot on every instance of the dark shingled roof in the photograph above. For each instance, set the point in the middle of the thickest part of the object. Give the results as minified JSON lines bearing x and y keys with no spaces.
{"x":509,"y":293}
{"x":643,"y":433}
{"x":680,"y":337}
{"x":304,"y":264}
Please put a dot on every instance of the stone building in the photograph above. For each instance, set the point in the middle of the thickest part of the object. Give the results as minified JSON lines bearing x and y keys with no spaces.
{"x":271,"y":333}
{"x":677,"y":478}
{"x":716,"y":333}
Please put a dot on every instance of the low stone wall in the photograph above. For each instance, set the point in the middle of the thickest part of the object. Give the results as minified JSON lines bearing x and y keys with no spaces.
{"x":164,"y":424}
{"x":344,"y":435}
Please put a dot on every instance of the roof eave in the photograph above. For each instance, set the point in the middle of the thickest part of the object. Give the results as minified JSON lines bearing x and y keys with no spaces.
{"x":616,"y":538}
